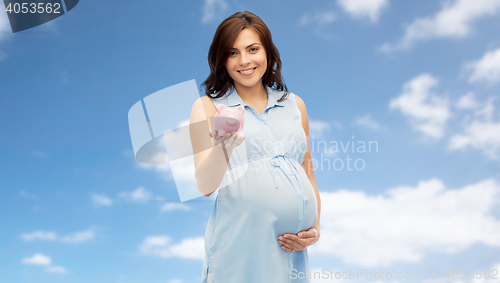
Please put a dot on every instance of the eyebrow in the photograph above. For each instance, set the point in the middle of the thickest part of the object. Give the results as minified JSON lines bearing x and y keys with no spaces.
{"x":247,"y":46}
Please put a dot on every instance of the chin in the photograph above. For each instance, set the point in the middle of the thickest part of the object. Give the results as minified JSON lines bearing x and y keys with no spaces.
{"x":248,"y":85}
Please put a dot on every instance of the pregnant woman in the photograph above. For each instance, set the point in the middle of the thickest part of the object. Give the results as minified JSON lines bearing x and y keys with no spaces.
{"x":267,"y":209}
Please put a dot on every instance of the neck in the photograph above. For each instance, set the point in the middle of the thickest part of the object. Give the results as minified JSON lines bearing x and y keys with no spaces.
{"x":252,"y":94}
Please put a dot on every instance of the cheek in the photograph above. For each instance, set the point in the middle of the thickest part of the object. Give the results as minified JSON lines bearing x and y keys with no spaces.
{"x":264,"y":61}
{"x":229,"y":65}
{"x":263,"y":58}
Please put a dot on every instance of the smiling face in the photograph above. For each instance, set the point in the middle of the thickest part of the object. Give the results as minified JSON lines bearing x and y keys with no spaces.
{"x":247,"y":60}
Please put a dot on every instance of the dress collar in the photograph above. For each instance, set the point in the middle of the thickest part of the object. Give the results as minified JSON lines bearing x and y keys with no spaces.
{"x":234,"y":99}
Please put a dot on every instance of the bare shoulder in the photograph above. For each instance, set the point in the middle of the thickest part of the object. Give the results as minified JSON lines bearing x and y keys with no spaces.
{"x":300,"y":104}
{"x":205,"y":103}
{"x":209,"y":105}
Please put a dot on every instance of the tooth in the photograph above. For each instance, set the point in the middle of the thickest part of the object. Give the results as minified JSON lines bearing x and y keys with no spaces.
{"x":247,"y":71}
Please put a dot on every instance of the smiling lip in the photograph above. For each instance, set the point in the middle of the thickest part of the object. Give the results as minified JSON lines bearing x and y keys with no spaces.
{"x":247,"y":74}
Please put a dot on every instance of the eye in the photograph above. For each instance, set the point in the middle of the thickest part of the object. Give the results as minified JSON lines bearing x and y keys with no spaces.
{"x":232,"y":53}
{"x":254,"y":49}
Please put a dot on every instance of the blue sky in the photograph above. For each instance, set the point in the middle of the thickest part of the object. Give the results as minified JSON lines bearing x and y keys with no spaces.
{"x":419,"y":78}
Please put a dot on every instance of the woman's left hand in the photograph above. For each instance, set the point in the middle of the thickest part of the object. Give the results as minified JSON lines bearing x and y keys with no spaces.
{"x":295,"y":243}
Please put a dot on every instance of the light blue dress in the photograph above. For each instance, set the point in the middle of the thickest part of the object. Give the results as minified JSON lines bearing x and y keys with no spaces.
{"x":272,"y":196}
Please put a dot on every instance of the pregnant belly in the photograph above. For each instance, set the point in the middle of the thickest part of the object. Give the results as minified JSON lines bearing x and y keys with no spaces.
{"x":290,"y":208}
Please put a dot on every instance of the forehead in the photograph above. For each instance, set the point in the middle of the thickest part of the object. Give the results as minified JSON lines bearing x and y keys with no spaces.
{"x":247,"y":36}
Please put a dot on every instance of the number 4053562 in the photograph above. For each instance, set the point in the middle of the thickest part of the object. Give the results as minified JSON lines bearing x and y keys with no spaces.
{"x":471,"y":274}
{"x":34,"y":8}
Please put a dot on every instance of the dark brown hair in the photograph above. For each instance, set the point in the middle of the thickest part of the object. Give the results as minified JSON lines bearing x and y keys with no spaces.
{"x":219,"y":81}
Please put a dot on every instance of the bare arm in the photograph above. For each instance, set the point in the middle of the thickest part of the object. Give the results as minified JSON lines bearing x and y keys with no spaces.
{"x":307,"y":161}
{"x":209,"y":157}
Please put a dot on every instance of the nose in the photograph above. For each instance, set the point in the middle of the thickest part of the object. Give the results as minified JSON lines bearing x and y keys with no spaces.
{"x":244,"y":59}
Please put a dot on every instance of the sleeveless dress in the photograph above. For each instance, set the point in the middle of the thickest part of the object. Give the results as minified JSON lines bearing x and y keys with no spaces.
{"x":265,"y":193}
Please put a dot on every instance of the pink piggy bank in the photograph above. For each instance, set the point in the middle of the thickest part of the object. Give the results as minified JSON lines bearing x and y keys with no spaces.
{"x":228,"y":119}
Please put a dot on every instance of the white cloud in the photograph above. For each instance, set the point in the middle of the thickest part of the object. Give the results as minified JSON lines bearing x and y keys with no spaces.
{"x":486,"y":69}
{"x":101,"y":200}
{"x":37,"y":259}
{"x":484,"y":136}
{"x":364,"y":8}
{"x":427,"y":112}
{"x":481,"y":131}
{"x":337,"y":125}
{"x":174,"y":206}
{"x":487,"y":111}
{"x":127,"y":152}
{"x":78,"y":237}
{"x":213,"y":9}
{"x":40,"y":259}
{"x":319,"y":18}
{"x":39,"y":235}
{"x":39,"y":153}
{"x":366,"y":121}
{"x":74,"y":238}
{"x":163,"y":170}
{"x":405,"y":223}
{"x":467,"y":101}
{"x":183,"y":170}
{"x":64,"y":79}
{"x":454,"y":20}
{"x":192,"y":248}
{"x":320,"y":21}
{"x":318,"y":128}
{"x":28,"y":195}
{"x":140,"y":195}
{"x":57,"y":269}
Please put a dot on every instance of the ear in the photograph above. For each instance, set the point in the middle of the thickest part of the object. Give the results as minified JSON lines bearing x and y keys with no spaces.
{"x":241,"y":108}
{"x":221,"y":107}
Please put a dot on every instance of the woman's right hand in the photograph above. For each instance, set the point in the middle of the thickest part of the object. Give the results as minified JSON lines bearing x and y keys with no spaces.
{"x":229,"y":140}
